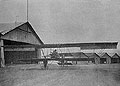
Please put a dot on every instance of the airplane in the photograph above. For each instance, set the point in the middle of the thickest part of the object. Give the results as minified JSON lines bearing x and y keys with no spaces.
{"x":62,"y":59}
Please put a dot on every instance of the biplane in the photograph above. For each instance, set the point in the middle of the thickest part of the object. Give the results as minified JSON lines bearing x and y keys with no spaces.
{"x":62,"y":57}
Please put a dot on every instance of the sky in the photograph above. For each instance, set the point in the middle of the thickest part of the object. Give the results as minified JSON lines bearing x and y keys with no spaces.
{"x":67,"y":21}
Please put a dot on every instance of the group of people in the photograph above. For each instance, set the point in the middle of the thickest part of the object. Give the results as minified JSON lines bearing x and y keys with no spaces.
{"x":54,"y":54}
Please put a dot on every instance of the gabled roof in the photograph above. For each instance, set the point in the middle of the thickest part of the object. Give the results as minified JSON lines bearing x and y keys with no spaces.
{"x":115,"y":56}
{"x":5,"y":28}
{"x":34,"y":32}
{"x":92,"y":55}
{"x":88,"y":54}
{"x":83,"y":55}
{"x":105,"y":56}
{"x":100,"y":54}
{"x":111,"y":54}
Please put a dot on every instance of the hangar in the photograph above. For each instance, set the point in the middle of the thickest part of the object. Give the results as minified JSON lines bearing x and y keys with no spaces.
{"x":20,"y":41}
{"x":19,"y":34}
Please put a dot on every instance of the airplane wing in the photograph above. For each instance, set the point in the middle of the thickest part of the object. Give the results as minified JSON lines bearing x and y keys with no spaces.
{"x":56,"y":59}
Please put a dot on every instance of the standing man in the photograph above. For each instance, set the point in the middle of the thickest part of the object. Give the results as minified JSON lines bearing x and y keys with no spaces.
{"x":45,"y":62}
{"x":0,"y":62}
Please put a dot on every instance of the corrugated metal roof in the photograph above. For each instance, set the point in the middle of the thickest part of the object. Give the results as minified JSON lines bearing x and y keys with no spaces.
{"x":6,"y":27}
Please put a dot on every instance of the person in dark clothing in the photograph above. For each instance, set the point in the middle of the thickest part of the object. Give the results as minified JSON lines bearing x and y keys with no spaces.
{"x":0,"y":62}
{"x":55,"y":54}
{"x":45,"y":62}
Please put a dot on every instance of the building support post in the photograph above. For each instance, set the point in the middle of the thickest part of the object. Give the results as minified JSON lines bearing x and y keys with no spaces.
{"x":2,"y":54}
{"x":110,"y":60}
{"x":38,"y":52}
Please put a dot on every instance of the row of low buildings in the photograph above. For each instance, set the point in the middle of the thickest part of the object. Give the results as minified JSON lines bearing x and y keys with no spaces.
{"x":103,"y":58}
{"x":97,"y":58}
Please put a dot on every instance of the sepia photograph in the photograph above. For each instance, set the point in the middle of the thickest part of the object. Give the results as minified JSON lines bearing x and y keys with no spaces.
{"x":59,"y":42}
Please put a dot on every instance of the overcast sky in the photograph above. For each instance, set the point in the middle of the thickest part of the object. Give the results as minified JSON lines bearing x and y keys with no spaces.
{"x":63,"y":21}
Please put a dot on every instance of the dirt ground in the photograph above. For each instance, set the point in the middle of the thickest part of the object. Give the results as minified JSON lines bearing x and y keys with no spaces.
{"x":77,"y":75}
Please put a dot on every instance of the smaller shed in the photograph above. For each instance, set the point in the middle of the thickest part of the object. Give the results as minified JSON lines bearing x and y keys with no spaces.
{"x":90,"y":57}
{"x":97,"y":58}
{"x":105,"y":59}
{"x":84,"y":58}
{"x":115,"y":58}
{"x":94,"y":58}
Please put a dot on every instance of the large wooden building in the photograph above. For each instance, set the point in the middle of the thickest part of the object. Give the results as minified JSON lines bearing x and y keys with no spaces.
{"x":20,"y":34}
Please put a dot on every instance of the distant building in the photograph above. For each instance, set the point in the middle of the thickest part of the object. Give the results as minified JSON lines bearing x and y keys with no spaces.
{"x":94,"y":58}
{"x":115,"y":58}
{"x":90,"y":57}
{"x":84,"y":58}
{"x":20,"y":34}
{"x":105,"y":59}
{"x":97,"y":58}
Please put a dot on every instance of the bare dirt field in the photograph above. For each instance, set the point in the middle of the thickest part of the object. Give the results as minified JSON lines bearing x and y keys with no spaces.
{"x":77,"y":75}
